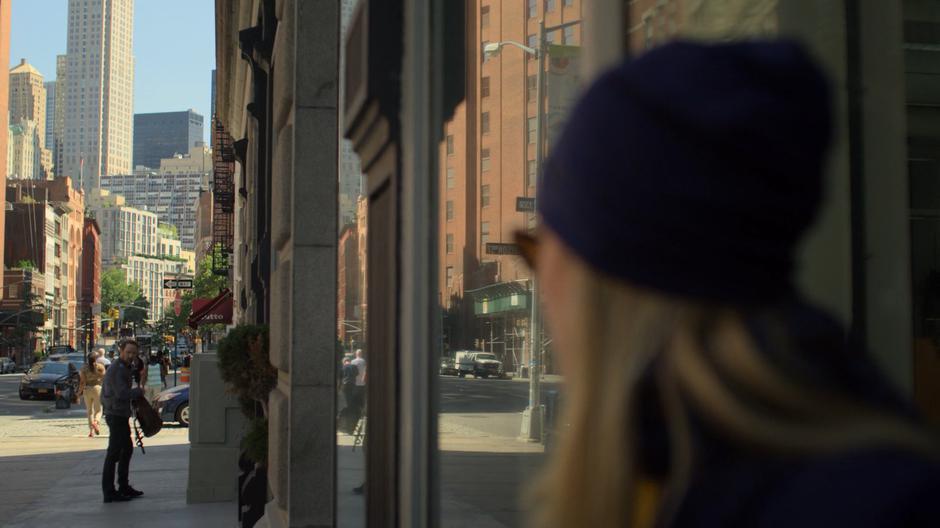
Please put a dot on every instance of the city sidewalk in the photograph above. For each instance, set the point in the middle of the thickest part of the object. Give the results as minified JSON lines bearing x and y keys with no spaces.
{"x":56,"y":488}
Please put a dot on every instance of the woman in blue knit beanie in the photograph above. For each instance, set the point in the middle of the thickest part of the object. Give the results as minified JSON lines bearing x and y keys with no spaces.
{"x":671,"y":208}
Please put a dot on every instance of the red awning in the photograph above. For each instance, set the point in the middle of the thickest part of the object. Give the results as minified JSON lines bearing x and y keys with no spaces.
{"x":217,"y":310}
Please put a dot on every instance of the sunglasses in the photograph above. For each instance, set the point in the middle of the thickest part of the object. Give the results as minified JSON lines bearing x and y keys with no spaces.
{"x":528,"y":244}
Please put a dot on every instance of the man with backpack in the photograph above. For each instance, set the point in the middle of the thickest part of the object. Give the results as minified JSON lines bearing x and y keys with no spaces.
{"x":117,"y":394}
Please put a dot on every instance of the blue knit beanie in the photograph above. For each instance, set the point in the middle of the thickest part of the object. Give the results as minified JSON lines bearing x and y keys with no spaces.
{"x":694,"y":169}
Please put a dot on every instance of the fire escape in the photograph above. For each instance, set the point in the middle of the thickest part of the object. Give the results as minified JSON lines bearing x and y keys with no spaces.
{"x":223,"y":191}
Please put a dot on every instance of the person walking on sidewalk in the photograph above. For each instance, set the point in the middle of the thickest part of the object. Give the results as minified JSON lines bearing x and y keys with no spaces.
{"x":102,"y":359}
{"x":360,"y":392}
{"x":90,"y":377}
{"x":671,"y":208}
{"x":152,"y":379}
{"x":164,"y":361}
{"x":117,"y":395}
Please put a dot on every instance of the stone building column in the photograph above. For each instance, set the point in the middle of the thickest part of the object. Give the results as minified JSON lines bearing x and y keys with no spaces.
{"x":302,"y":428}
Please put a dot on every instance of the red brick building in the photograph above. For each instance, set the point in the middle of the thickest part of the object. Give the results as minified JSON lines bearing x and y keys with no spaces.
{"x":348,"y":295}
{"x":488,"y":161}
{"x":60,"y":193}
{"x":90,"y":297}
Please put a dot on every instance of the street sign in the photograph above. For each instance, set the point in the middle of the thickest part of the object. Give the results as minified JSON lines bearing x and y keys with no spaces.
{"x":525,"y":205}
{"x":177,"y":284}
{"x":502,"y":249}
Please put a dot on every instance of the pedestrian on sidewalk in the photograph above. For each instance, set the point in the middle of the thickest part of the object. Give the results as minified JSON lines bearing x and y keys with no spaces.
{"x":90,"y":377}
{"x":164,"y":363}
{"x":359,"y":394}
{"x":152,"y":379}
{"x":351,"y":412}
{"x":102,"y":359}
{"x":117,"y":395}
{"x":671,"y":211}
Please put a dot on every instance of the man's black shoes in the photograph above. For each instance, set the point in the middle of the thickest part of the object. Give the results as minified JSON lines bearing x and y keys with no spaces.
{"x":130,"y":492}
{"x":122,"y":495}
{"x":116,"y":497}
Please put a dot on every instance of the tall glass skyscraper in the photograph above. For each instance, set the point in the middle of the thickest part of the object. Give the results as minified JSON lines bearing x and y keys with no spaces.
{"x":165,"y":134}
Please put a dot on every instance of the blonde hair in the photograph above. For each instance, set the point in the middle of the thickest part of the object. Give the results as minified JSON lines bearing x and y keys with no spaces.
{"x":702,"y":362}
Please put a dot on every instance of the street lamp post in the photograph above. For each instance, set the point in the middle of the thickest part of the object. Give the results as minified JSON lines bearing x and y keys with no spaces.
{"x":533,"y":416}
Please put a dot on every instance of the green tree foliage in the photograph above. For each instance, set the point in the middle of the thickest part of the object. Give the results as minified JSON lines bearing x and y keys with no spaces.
{"x":137,"y":317}
{"x":116,"y":291}
{"x":25,"y":264}
{"x":245,"y":365}
{"x":206,"y":285}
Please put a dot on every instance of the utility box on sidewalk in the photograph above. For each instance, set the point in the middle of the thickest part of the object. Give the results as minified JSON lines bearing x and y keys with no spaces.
{"x":215,"y":433}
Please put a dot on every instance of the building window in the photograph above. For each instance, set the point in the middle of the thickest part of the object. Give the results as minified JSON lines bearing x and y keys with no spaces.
{"x":569,"y":36}
{"x":450,"y":210}
{"x":484,"y":232}
{"x":485,"y":122}
{"x":451,"y":177}
{"x":485,"y":159}
{"x":550,"y":5}
{"x":450,"y":145}
{"x":450,"y":276}
{"x":531,"y":85}
{"x":485,"y":17}
{"x":530,"y":173}
{"x":450,"y":243}
{"x":485,"y":196}
{"x":485,"y":87}
{"x":533,"y":42}
{"x":530,"y":136}
{"x":533,"y":10}
{"x":569,"y":3}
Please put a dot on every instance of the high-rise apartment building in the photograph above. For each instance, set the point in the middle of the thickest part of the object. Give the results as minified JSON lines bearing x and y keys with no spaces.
{"x":125,"y":232}
{"x":23,"y":151}
{"x":28,"y":110}
{"x":488,"y":160}
{"x":28,"y":96}
{"x":49,"y":137}
{"x":171,"y":192}
{"x":99,"y":100}
{"x":58,"y":125}
{"x":164,"y":135}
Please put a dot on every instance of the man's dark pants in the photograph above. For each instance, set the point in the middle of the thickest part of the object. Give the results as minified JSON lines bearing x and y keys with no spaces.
{"x":120,"y":449}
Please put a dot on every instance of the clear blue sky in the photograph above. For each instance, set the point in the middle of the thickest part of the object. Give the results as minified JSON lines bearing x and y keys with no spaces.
{"x":174,"y":49}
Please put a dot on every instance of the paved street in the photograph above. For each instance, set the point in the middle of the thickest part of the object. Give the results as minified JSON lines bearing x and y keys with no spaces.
{"x":488,"y":406}
{"x":42,"y":446}
{"x":484,"y":466}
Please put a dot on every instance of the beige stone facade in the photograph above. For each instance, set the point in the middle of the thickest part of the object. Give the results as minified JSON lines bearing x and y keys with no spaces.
{"x":28,"y":112}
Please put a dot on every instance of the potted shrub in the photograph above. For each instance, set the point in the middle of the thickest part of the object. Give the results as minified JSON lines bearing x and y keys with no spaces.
{"x":248,"y":374}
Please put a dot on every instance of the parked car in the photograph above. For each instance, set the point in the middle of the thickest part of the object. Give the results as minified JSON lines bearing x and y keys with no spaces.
{"x":47,"y":377}
{"x":7,"y":365}
{"x":173,"y":405}
{"x":56,"y":351}
{"x":480,"y":364}
{"x":77,"y":359}
{"x":448,"y":367}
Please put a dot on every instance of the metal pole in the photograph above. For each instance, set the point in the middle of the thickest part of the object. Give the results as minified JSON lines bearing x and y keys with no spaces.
{"x":532,"y":417}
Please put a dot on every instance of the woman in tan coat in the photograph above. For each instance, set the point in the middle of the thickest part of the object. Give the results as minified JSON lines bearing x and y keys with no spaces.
{"x":89,"y":387}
